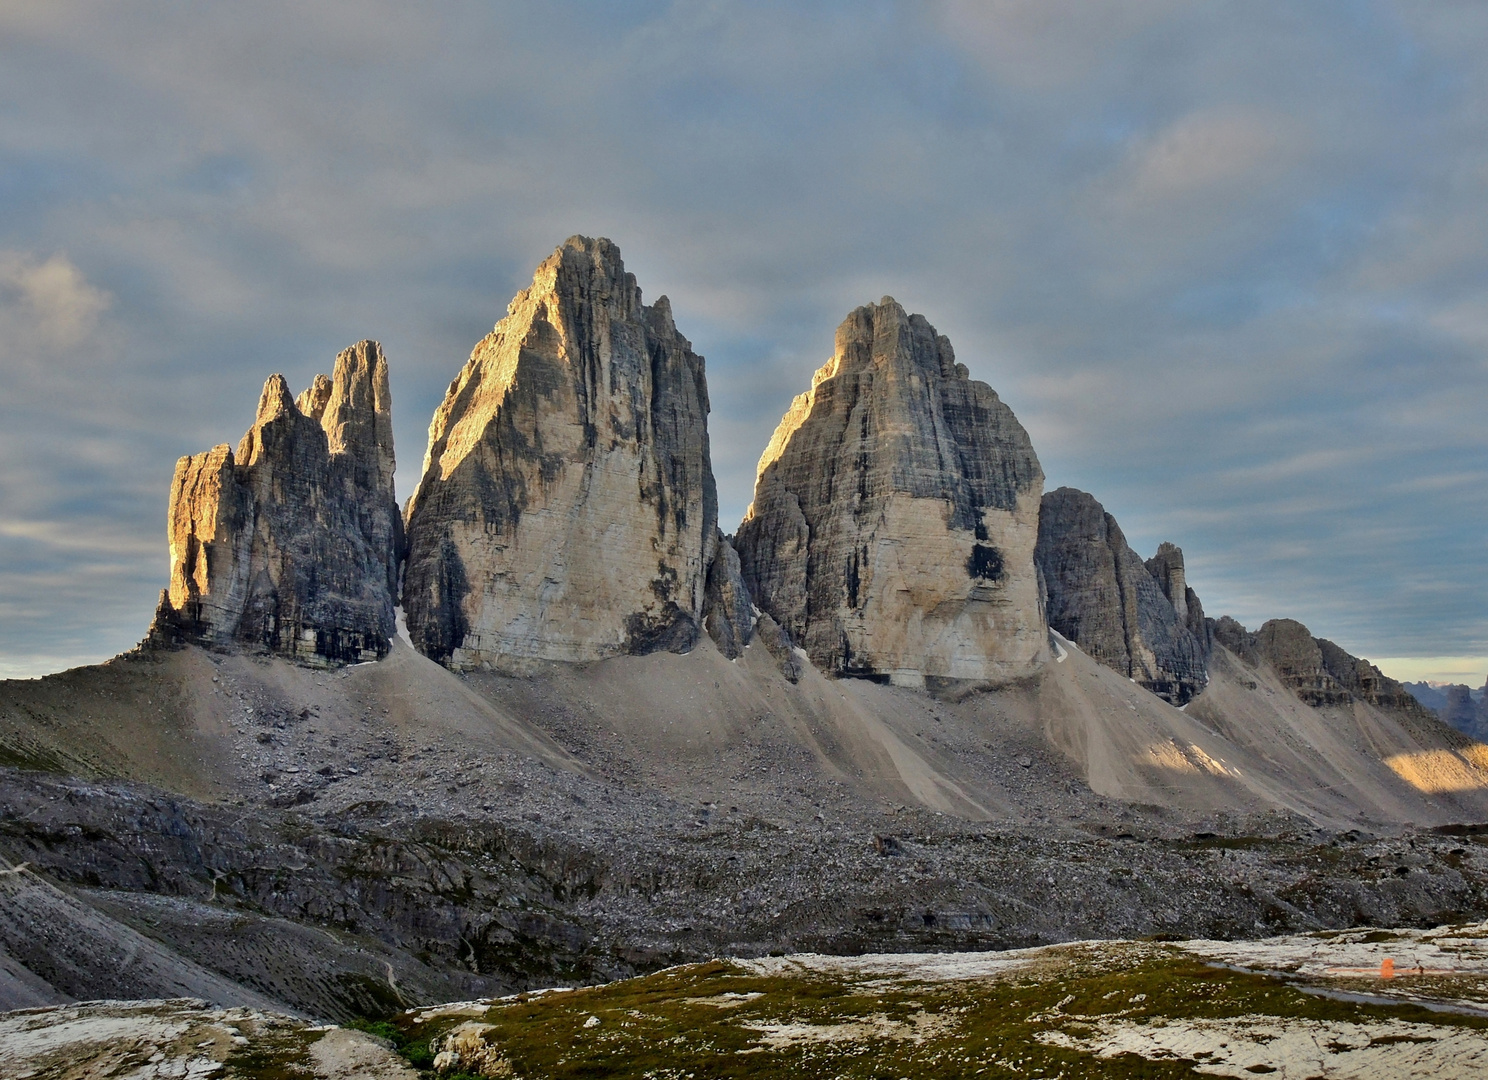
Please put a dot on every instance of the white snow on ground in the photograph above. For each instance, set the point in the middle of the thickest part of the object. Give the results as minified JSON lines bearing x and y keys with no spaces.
{"x":1291,"y":1049}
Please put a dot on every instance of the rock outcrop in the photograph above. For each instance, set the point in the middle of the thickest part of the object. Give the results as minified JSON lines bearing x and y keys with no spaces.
{"x":1319,"y":672}
{"x":1133,"y":617}
{"x":293,"y":543}
{"x":1459,"y":710}
{"x":1166,"y":568}
{"x":567,"y":509}
{"x":728,"y":615}
{"x":895,"y":512}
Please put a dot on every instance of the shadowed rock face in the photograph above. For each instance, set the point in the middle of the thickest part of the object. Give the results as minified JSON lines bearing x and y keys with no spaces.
{"x":895,"y":513}
{"x":1460,"y":711}
{"x":727,"y":613}
{"x":567,"y":509}
{"x":293,"y":543}
{"x":1132,"y":617}
{"x":1166,"y":568}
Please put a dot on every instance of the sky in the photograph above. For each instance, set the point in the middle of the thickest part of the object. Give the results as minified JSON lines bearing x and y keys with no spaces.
{"x":1227,"y":261}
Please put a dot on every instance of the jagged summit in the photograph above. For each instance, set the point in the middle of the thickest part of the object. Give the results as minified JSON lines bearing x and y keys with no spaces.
{"x":1140,"y":619}
{"x":1319,"y":672}
{"x":293,"y":543}
{"x":895,"y":512}
{"x":567,"y":509}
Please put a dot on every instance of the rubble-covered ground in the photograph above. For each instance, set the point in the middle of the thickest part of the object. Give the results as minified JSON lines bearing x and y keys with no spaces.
{"x":117,"y":890}
{"x":1296,"y":1007}
{"x":354,"y":842}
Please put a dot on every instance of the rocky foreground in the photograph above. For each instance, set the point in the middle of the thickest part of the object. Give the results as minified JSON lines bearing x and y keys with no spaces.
{"x":1362,"y":1004}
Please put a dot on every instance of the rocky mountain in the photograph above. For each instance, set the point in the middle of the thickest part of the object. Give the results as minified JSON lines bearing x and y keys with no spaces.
{"x":1432,"y":695}
{"x":637,"y":747}
{"x":895,"y":513}
{"x":293,"y":544}
{"x":1460,"y":710}
{"x":1319,"y":672}
{"x":1459,"y":705}
{"x":567,"y":509}
{"x":1140,"y":619}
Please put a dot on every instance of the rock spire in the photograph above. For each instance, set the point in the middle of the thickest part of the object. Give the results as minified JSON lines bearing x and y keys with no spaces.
{"x":895,"y":513}
{"x":293,"y":543}
{"x":1139,"y":619}
{"x":567,"y":509}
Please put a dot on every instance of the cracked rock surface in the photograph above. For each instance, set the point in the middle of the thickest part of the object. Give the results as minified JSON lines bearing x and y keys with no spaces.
{"x":567,"y":509}
{"x":895,"y":513}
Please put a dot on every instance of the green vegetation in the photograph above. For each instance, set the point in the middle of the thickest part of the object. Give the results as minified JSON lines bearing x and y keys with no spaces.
{"x":416,"y":1051}
{"x":723,"y":1020}
{"x":274,"y":1055}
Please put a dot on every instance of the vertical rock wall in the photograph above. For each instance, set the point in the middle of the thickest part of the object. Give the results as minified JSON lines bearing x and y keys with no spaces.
{"x":895,"y":514}
{"x":1132,"y":617}
{"x":293,"y":543}
{"x":567,"y":509}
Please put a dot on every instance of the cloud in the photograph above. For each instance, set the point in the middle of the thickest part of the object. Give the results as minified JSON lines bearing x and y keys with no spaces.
{"x":1043,"y":44}
{"x":1225,"y":261}
{"x":47,"y":304}
{"x":1206,"y":154}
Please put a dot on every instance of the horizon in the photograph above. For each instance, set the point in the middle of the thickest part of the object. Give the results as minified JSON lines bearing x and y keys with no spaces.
{"x":1225,"y":264}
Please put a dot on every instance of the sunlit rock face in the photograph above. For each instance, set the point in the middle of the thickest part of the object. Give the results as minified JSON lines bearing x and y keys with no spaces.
{"x":1139,"y":619}
{"x":293,"y":543}
{"x":567,"y":509}
{"x":895,"y":514}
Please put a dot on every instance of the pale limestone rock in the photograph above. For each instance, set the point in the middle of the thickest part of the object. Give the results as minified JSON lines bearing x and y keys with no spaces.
{"x":895,"y":514}
{"x":293,"y":544}
{"x":567,"y":509}
{"x":1105,"y":599}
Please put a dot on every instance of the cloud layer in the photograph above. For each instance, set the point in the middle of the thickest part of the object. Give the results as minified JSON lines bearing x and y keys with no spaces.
{"x":1228,"y":262}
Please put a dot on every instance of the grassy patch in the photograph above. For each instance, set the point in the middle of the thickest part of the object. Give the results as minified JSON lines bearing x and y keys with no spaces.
{"x":274,"y":1055}
{"x":415,"y":1051}
{"x":725,"y":1021}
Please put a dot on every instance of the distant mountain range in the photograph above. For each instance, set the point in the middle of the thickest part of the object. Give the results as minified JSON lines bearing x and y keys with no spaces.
{"x":1457,"y":704}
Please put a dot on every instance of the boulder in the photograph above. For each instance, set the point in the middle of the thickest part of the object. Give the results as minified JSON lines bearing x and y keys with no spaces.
{"x":895,"y":513}
{"x":1131,"y":616}
{"x":292,"y":545}
{"x":567,"y":509}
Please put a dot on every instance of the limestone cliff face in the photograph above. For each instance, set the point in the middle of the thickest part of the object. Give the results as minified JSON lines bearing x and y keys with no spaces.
{"x":293,"y":543}
{"x":895,"y":513}
{"x":567,"y":509}
{"x":1315,"y":669}
{"x":1132,"y":617}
